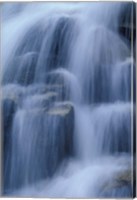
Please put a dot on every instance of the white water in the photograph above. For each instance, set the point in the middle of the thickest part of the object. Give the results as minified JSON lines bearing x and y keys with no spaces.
{"x":77,"y":45}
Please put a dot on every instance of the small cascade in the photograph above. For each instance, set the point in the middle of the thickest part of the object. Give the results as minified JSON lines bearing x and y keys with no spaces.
{"x":66,"y":99}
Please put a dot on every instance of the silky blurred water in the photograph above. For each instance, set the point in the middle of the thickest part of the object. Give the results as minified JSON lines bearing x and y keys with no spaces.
{"x":77,"y":45}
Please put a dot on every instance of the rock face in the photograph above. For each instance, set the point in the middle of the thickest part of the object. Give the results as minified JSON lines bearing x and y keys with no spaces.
{"x":62,"y":115}
{"x":127,"y":27}
{"x":61,"y":109}
{"x":61,"y":37}
{"x":9,"y":107}
{"x":121,"y":182}
{"x":130,"y":28}
{"x":8,"y":110}
{"x":37,"y":110}
{"x":51,"y":134}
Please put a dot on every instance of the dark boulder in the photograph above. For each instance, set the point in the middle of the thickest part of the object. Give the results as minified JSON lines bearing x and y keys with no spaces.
{"x":58,"y":49}
{"x":127,"y":22}
{"x":120,"y":186}
{"x":9,"y":107}
{"x":50,"y":137}
{"x":63,"y":115}
{"x":8,"y":110}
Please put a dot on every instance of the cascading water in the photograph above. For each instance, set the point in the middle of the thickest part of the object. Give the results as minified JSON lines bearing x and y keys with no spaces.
{"x":66,"y":83}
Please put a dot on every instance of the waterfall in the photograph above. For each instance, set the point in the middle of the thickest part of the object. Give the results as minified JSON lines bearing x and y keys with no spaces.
{"x":66,"y":99}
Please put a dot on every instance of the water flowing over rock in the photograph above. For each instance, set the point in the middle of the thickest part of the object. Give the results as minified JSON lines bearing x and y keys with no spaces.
{"x":121,"y":181}
{"x":68,"y":71}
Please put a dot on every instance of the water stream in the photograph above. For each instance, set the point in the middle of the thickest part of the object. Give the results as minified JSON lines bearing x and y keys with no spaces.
{"x":66,"y":83}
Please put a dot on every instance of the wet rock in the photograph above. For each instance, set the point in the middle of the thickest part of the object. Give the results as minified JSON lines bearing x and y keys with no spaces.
{"x":26,"y":68}
{"x":59,"y":46}
{"x":113,"y":128}
{"x":10,"y":102}
{"x":127,"y":21}
{"x":61,"y":109}
{"x":124,"y":191}
{"x":51,"y":134}
{"x":9,"y":106}
{"x":127,"y":31}
{"x":122,"y":181}
{"x":63,"y":115}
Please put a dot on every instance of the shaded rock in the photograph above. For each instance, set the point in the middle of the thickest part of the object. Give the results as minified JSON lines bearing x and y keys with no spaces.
{"x":127,"y":22}
{"x":59,"y":46}
{"x":124,"y":191}
{"x":113,"y":128}
{"x":124,"y":176}
{"x":122,"y":181}
{"x":51,"y":134}
{"x":126,"y":30}
{"x":63,"y":115}
{"x":9,"y":106}
{"x":58,"y":41}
